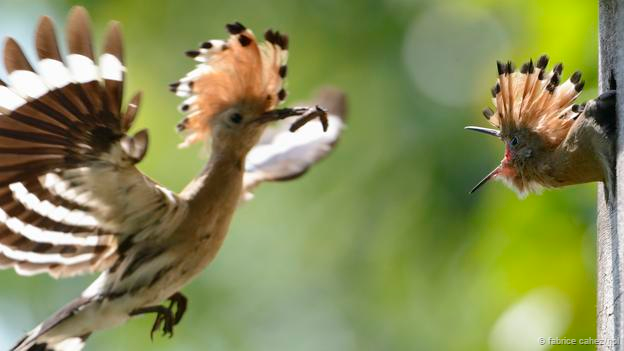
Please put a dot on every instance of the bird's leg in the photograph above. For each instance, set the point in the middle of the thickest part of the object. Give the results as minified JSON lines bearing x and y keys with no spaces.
{"x":180,"y":302}
{"x":307,"y":114}
{"x":163,"y":314}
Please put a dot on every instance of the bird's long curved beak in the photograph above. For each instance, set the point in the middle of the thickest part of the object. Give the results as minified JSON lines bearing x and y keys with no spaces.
{"x":494,"y":172}
{"x":485,"y":179}
{"x":488,"y":131}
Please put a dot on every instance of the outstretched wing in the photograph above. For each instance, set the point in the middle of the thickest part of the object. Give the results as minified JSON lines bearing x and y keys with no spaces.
{"x":281,"y":155}
{"x":69,"y":191}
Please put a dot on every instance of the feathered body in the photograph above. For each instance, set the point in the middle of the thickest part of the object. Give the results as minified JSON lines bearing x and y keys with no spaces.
{"x":549,"y":140}
{"x":73,"y":202}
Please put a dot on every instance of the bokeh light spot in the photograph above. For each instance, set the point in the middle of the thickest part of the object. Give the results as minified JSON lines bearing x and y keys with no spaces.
{"x":447,"y":48}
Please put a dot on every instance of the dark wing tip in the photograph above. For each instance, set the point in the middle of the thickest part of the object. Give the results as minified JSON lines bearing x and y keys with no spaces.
{"x":45,"y":40}
{"x":14,"y":58}
{"x":45,"y":24}
{"x":114,"y":43}
{"x":79,"y":32}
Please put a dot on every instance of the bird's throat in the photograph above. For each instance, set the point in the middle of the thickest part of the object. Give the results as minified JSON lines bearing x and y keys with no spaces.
{"x":219,"y":183}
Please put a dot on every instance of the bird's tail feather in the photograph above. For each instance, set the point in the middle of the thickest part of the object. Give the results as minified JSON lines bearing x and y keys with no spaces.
{"x":70,"y":344}
{"x":55,"y":333}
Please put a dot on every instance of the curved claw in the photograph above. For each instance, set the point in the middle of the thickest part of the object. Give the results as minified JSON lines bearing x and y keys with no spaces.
{"x":163,"y":314}
{"x":180,"y":302}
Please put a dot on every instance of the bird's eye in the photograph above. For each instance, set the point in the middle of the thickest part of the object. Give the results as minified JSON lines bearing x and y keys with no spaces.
{"x":514,"y":141}
{"x":236,"y":118}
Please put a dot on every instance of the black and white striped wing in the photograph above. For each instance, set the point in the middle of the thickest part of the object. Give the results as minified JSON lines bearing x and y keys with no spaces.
{"x":283,"y":155}
{"x":69,"y":191}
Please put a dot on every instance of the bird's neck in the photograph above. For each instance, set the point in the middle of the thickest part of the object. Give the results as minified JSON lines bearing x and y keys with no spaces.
{"x":212,"y":199}
{"x":575,"y":163}
{"x":219,"y":184}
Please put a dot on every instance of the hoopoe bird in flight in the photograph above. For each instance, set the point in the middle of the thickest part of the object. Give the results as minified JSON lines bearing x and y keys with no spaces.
{"x":73,"y":202}
{"x":550,"y":141}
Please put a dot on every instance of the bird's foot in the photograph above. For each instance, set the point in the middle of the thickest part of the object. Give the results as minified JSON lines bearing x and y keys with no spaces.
{"x":180,"y":302}
{"x":165,"y":318}
{"x":164,"y":315}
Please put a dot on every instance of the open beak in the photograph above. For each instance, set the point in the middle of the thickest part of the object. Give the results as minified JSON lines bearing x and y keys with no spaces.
{"x":305,"y":114}
{"x":492,"y":132}
{"x":488,"y":131}
{"x":485,"y":179}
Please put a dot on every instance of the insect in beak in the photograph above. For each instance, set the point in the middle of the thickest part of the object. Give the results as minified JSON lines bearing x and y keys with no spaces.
{"x":488,"y":131}
{"x":305,"y":114}
{"x":485,"y":179}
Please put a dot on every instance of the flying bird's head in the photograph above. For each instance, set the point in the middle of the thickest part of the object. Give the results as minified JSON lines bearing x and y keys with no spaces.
{"x":533,"y":114}
{"x":235,"y":83}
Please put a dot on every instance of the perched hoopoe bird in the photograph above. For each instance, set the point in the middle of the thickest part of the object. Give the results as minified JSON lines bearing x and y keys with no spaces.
{"x":549,"y":140}
{"x":73,"y":202}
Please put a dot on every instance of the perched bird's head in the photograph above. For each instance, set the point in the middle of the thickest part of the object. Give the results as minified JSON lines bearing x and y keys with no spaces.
{"x":533,"y":114}
{"x":235,"y":82}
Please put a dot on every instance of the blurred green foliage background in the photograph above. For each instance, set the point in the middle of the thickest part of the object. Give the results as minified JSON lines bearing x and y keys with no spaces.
{"x":379,"y":247}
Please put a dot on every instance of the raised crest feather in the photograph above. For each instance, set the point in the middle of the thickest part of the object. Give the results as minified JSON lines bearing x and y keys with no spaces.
{"x":239,"y":70}
{"x":540,"y":125}
{"x":533,"y":98}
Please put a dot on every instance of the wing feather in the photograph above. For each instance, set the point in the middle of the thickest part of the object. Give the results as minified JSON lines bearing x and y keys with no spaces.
{"x":69,"y":188}
{"x":14,"y":58}
{"x":45,"y":41}
{"x":112,"y":66}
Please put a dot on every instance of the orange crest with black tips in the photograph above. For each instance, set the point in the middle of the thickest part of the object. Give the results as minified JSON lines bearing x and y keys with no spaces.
{"x":530,"y":104}
{"x":237,"y":71}
{"x":533,"y":98}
